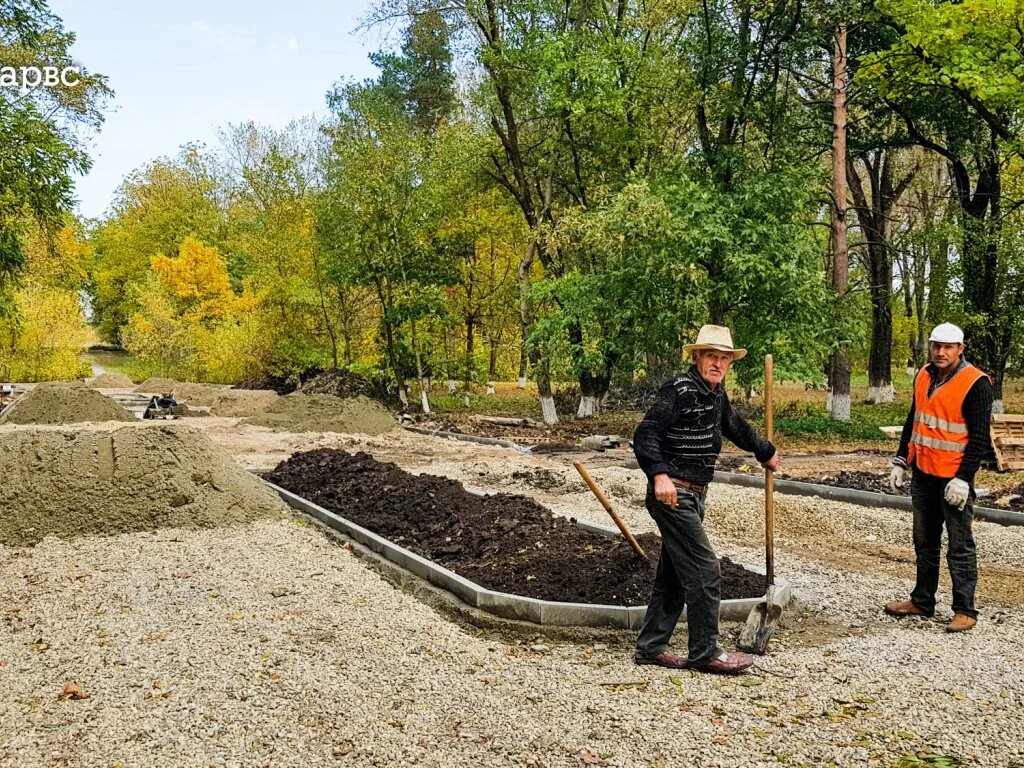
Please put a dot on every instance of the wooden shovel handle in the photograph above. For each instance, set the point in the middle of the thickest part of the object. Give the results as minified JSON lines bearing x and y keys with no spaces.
{"x":633,"y":543}
{"x":769,"y":475}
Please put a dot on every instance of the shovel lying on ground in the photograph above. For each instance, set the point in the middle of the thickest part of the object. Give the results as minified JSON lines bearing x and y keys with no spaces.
{"x":764,"y":617}
{"x":608,"y":506}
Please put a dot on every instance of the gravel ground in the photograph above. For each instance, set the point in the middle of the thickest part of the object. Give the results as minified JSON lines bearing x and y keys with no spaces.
{"x":270,"y":645}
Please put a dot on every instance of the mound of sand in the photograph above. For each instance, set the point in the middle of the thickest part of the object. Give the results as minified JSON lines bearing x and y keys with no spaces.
{"x":223,"y":401}
{"x":110,"y":380}
{"x":243,"y":402}
{"x":72,"y":482}
{"x":325,"y":413}
{"x":60,"y":402}
{"x":197,"y":394}
{"x":157,"y":386}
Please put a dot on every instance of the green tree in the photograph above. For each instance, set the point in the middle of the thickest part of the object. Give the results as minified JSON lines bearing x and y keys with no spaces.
{"x":954,"y":74}
{"x":154,"y":211}
{"x":41,"y":129}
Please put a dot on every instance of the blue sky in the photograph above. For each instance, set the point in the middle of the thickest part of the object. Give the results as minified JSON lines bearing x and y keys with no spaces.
{"x":182,"y":70}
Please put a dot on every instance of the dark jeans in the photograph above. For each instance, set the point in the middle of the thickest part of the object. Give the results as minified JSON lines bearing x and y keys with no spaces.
{"x":688,"y":574}
{"x":930,"y":513}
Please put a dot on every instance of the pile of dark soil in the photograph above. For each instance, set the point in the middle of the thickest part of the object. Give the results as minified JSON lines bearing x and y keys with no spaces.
{"x":734,"y":464}
{"x":857,"y":480}
{"x":502,"y":542}
{"x":340,"y":383}
{"x":1014,"y":498}
{"x":555,"y":448}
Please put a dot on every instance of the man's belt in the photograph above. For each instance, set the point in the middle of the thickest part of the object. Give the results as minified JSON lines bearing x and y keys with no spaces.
{"x":680,"y":483}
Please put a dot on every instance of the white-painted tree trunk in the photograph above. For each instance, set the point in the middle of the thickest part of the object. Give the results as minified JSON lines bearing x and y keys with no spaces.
{"x":490,"y":387}
{"x":424,"y":402}
{"x":878,"y":395}
{"x":998,"y":406}
{"x":841,"y":408}
{"x":589,"y":406}
{"x":453,"y":386}
{"x":403,"y":396}
{"x":547,"y":409}
{"x":427,"y":382}
{"x":828,"y":400}
{"x":521,"y":382}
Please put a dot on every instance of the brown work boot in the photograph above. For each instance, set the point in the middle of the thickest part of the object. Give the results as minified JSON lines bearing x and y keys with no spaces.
{"x":961,"y":623}
{"x":727,"y":664}
{"x":663,"y":659}
{"x":900,"y":608}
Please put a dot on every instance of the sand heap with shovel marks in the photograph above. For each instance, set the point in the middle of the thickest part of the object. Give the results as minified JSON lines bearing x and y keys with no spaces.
{"x":101,"y":480}
{"x":58,"y":402}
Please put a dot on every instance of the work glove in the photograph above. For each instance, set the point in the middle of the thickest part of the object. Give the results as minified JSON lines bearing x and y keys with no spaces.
{"x":957,"y":491}
{"x":897,"y":477}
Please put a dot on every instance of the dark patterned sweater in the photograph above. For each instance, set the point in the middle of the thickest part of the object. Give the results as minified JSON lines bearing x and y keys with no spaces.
{"x":681,"y":435}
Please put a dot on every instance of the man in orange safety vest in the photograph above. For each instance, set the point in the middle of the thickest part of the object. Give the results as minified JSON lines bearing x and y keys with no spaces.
{"x":944,"y":440}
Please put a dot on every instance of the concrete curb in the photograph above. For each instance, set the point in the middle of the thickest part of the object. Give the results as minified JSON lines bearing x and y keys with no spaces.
{"x":467,"y":438}
{"x":504,"y":605}
{"x":863,"y":498}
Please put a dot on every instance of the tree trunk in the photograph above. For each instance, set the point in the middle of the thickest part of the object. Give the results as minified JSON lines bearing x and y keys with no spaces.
{"x":328,"y":326}
{"x":492,"y":366}
{"x":840,"y":400}
{"x":593,"y":388}
{"x":547,"y":397}
{"x":874,"y":202}
{"x":467,"y":370}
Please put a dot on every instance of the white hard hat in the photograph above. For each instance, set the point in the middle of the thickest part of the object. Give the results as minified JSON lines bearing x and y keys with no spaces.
{"x":947,"y":333}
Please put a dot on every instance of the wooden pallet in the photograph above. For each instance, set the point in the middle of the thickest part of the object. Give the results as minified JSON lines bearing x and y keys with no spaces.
{"x":1008,"y":441}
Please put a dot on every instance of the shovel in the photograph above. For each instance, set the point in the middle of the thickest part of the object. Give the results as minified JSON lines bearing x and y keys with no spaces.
{"x":764,"y":617}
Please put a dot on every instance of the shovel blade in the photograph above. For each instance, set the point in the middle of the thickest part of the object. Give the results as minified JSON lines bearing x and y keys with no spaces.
{"x":761,"y":624}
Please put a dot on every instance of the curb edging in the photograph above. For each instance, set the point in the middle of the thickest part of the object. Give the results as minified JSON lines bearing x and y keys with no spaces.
{"x":502,"y":604}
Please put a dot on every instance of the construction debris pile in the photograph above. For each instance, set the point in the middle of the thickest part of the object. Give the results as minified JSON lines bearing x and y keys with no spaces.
{"x":73,"y":482}
{"x":64,"y":403}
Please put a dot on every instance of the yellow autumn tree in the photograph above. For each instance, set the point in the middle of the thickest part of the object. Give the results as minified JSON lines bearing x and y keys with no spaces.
{"x":196,"y":280}
{"x":190,"y":323}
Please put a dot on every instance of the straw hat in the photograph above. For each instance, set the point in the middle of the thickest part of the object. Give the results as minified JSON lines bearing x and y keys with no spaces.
{"x":715,"y":337}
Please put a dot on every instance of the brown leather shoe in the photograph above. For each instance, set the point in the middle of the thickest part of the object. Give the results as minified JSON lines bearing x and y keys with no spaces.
{"x":901,"y":608}
{"x":961,"y":623}
{"x":727,"y":664}
{"x":664,"y":659}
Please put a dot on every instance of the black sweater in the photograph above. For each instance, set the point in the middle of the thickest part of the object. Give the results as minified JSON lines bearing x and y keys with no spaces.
{"x":977,"y":412}
{"x":681,"y":435}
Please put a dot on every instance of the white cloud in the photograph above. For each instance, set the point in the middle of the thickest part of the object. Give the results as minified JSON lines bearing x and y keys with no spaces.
{"x":218,"y":37}
{"x":231,"y":38}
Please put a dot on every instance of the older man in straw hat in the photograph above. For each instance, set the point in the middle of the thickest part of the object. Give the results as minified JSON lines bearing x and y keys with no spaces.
{"x":677,"y":445}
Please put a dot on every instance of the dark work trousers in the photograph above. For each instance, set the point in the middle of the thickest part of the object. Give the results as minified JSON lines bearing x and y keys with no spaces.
{"x":688,"y":574}
{"x":930,"y":513}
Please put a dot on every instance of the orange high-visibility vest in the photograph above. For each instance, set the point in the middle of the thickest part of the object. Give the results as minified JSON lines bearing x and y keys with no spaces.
{"x":939,"y":439}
